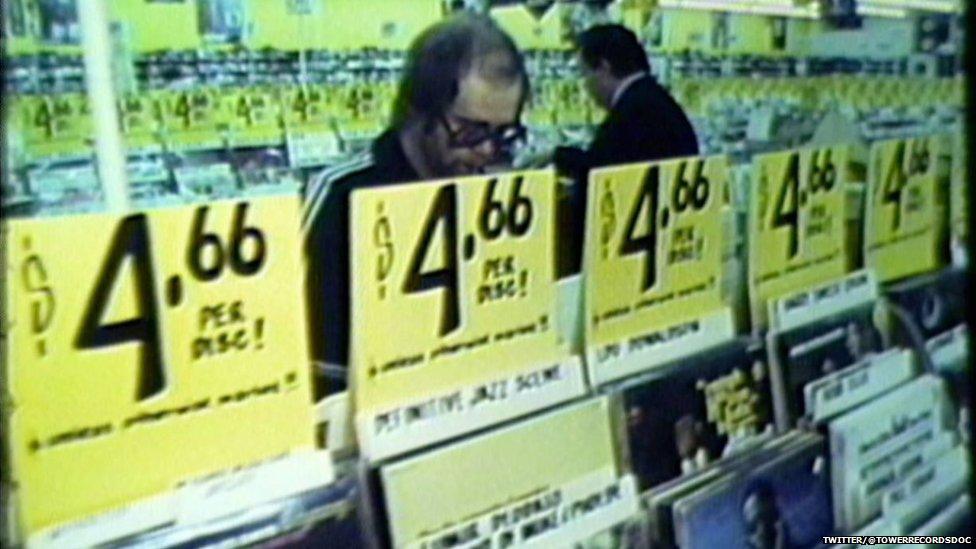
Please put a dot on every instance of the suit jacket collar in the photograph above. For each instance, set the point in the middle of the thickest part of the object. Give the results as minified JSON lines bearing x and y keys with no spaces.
{"x":625,"y":84}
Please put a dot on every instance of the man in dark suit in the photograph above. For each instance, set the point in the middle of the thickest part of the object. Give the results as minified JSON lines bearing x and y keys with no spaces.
{"x":643,"y":122}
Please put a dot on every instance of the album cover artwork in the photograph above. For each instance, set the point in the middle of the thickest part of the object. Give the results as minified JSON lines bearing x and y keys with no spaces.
{"x":705,"y":408}
{"x":810,"y":352}
{"x":936,"y":303}
{"x":782,"y":501}
{"x":659,"y":501}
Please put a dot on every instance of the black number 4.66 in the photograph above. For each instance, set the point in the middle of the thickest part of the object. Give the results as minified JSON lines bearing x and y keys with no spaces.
{"x":494,"y":217}
{"x":132,"y":241}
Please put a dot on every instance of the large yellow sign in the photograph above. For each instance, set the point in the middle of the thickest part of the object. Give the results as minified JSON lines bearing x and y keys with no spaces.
{"x":454,"y":308}
{"x":653,"y":263}
{"x":149,"y":349}
{"x":797,"y":223}
{"x":905,"y":228}
{"x":554,"y":480}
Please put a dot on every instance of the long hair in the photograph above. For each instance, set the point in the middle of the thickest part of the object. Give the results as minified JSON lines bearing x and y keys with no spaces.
{"x":443,"y":54}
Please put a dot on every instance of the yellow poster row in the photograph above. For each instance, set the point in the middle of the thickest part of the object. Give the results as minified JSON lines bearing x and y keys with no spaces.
{"x":132,"y":338}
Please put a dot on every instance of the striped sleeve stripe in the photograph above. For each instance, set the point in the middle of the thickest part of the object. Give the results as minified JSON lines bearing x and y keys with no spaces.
{"x":320,"y":186}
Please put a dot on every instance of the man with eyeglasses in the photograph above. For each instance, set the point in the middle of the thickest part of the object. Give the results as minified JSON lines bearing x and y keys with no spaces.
{"x":456,"y":113}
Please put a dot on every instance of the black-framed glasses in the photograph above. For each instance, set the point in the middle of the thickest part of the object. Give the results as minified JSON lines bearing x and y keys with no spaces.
{"x":471,"y":133}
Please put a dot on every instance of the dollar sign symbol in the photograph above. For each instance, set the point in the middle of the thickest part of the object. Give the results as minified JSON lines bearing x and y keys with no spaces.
{"x":34,"y":277}
{"x":382,"y":236}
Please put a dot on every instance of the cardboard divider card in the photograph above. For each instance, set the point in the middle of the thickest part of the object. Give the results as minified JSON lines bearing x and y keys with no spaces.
{"x":923,"y":493}
{"x":820,"y":302}
{"x":555,"y":480}
{"x":455,"y":309}
{"x":841,"y":391}
{"x":877,"y":445}
{"x":152,"y":349}
{"x":653,"y":264}
{"x":797,"y":223}
{"x":905,"y":227}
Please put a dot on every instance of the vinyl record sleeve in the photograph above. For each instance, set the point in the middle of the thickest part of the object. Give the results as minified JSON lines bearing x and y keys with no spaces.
{"x":809,"y":352}
{"x":700,"y":410}
{"x":935,"y":302}
{"x":660,"y":501}
{"x":781,"y":502}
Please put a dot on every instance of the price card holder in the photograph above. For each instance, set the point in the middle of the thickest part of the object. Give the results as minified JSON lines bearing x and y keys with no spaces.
{"x":797,"y":223}
{"x":556,"y":480}
{"x":905,"y":228}
{"x":653,"y":263}
{"x":151,"y":349}
{"x":455,"y":310}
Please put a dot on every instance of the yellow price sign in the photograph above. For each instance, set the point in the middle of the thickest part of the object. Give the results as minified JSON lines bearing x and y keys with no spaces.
{"x":555,"y":480}
{"x":653,"y":264}
{"x":454,"y":308}
{"x":906,"y":228}
{"x":149,"y":349}
{"x":797,"y":223}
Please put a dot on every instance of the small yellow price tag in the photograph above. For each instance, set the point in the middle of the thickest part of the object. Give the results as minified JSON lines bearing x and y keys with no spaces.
{"x":256,"y":118}
{"x":906,"y":227}
{"x":653,"y":264}
{"x":195,"y":119}
{"x":797,"y":223}
{"x":454,"y":308}
{"x":149,"y":349}
{"x":556,"y":480}
{"x":140,"y":119}
{"x":57,"y":126}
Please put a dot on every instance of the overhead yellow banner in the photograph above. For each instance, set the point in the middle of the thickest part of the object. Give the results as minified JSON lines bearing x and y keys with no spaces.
{"x":554,"y":480}
{"x":149,"y":349}
{"x":797,"y":223}
{"x":653,"y":264}
{"x":454,"y":308}
{"x":906,"y":224}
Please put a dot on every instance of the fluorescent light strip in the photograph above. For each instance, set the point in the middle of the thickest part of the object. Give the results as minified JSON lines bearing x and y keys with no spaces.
{"x":784,"y":8}
{"x":880,"y":11}
{"x":943,"y":6}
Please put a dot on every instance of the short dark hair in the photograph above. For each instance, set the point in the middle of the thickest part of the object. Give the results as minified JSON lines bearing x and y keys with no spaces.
{"x":617,"y":45}
{"x":443,"y":54}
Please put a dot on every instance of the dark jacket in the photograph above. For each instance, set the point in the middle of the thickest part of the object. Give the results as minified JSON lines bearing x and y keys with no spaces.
{"x":645,"y":124}
{"x":326,"y":231}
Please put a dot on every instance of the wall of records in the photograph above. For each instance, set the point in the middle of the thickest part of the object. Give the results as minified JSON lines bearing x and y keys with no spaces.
{"x":765,"y":346}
